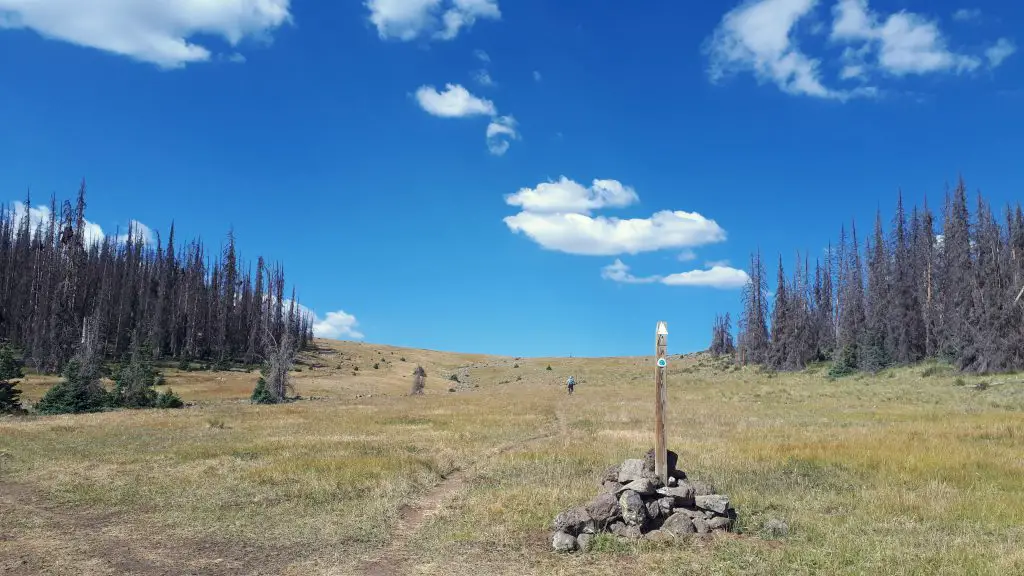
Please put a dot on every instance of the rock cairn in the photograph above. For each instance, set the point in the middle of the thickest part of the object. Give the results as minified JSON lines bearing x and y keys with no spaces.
{"x":634,"y":504}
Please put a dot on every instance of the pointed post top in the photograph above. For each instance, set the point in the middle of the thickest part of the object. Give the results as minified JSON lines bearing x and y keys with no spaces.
{"x":662,"y":329}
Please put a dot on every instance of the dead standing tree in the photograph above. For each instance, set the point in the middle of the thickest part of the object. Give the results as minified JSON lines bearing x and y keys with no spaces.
{"x":279,"y":359}
{"x":419,"y":380}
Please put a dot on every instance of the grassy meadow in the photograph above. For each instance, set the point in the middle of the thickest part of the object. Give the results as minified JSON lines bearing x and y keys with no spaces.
{"x":913,"y":471}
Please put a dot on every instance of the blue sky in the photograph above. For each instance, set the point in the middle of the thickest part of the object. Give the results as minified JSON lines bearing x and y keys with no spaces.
{"x":525,"y":178}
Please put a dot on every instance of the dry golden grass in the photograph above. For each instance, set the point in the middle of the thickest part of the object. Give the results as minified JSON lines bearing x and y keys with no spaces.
{"x":896,"y":474}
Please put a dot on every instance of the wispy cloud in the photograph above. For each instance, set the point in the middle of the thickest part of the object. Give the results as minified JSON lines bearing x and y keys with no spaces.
{"x":408,"y":20}
{"x":722,"y":277}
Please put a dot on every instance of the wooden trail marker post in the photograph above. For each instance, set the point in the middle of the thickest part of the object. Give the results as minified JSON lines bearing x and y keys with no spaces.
{"x":660,"y":450}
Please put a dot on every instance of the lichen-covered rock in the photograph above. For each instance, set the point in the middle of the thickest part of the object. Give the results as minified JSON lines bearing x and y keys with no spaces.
{"x":720,"y":523}
{"x":585,"y":542}
{"x":665,"y":506}
{"x":653,"y":509}
{"x":683,"y":493}
{"x":604,"y":509}
{"x":634,"y":512}
{"x":631,"y":470}
{"x":611,"y":487}
{"x":678,"y":524}
{"x":701,"y":525}
{"x":714,"y":502}
{"x":658,"y":536}
{"x":563,"y":542}
{"x":701,"y":488}
{"x":574,"y":521}
{"x":643,"y":486}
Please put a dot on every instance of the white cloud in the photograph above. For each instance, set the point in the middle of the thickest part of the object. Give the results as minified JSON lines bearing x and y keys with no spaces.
{"x":337,"y":325}
{"x":967,"y":14}
{"x":1001,"y":50}
{"x":906,"y":43}
{"x":566,"y":195}
{"x":757,"y":36}
{"x":687,"y":255}
{"x":556,"y":215}
{"x":716,"y":264}
{"x":138,"y":231}
{"x":157,"y":32}
{"x":536,"y":76}
{"x":454,"y":102}
{"x":482,"y":56}
{"x":716,"y":276}
{"x":500,"y":132}
{"x":619,"y":272}
{"x":483,"y":78}
{"x":440,"y":19}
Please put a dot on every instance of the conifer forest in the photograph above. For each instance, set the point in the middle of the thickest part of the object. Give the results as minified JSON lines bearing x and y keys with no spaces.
{"x":941,"y":287}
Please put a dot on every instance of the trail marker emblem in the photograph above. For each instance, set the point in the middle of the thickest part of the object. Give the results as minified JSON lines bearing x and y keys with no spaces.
{"x":661,"y":362}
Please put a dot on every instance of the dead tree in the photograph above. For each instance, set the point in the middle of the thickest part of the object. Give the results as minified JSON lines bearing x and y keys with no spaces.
{"x":419,"y":380}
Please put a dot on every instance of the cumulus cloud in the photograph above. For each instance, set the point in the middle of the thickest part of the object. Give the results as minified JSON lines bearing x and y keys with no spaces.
{"x":759,"y":37}
{"x":557,"y":217}
{"x":408,"y":20}
{"x":337,"y":325}
{"x":500,"y":132}
{"x":967,"y":14}
{"x":92,"y":232}
{"x":565,"y":195}
{"x":454,"y":102}
{"x":716,"y":276}
{"x":457,"y":102}
{"x":148,"y":31}
{"x":1001,"y":50}
{"x":483,"y":78}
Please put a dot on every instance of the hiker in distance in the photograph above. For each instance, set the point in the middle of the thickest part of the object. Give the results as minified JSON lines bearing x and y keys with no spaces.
{"x":570,"y":383}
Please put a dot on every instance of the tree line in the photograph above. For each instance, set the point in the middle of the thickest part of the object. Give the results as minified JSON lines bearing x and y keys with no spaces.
{"x":185,"y":303}
{"x":907,"y":294}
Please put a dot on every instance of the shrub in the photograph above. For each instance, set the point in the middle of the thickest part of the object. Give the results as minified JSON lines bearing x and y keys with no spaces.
{"x":79,"y":392}
{"x":10,"y":369}
{"x":419,"y":380}
{"x":261,"y":393}
{"x":376,"y":365}
{"x":454,"y":377}
{"x":168,"y":399}
{"x":10,"y":395}
{"x":549,"y":367}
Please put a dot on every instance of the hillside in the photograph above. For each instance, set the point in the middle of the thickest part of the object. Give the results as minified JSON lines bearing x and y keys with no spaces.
{"x":913,"y":471}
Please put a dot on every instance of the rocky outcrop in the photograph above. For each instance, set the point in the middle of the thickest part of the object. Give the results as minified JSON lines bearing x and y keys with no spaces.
{"x":632,"y":503}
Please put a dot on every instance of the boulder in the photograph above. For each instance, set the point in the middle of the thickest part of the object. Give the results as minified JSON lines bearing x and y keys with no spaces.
{"x":720,"y":523}
{"x":611,"y":487}
{"x":701,"y":525}
{"x":713,"y":502}
{"x":585,"y":542}
{"x":678,"y":524}
{"x":658,"y":536}
{"x":631,"y":470}
{"x":634,"y":512}
{"x":653,"y":509}
{"x":666,"y":505}
{"x":627,"y":532}
{"x":683,"y":493}
{"x":563,"y":542}
{"x":690,"y":512}
{"x":604,"y":509}
{"x":574,"y":521}
{"x":702,"y":488}
{"x":643,"y":486}
{"x":611,"y":474}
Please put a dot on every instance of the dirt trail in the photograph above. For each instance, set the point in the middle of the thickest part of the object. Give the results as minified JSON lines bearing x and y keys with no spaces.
{"x":415,"y":515}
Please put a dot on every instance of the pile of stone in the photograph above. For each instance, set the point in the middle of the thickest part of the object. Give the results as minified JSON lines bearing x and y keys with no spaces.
{"x":634,"y":504}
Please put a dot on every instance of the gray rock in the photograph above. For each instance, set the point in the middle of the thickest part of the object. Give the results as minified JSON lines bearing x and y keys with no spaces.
{"x":604,"y":509}
{"x":630,"y":532}
{"x":617,"y":527}
{"x":776,"y":528}
{"x":689,"y":512}
{"x":702,"y":488}
{"x":658,"y":536}
{"x":573,"y":521}
{"x":611,"y":487}
{"x":701,"y":525}
{"x":563,"y":542}
{"x":683,"y":494}
{"x":585,"y":542}
{"x":643,"y":486}
{"x":653,"y":509}
{"x":634,"y":512}
{"x":611,"y":474}
{"x":714,"y":502}
{"x":678,"y":524}
{"x":665,"y":506}
{"x":720,"y":523}
{"x":631,"y":470}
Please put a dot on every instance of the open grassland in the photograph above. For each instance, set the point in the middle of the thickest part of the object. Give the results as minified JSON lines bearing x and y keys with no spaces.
{"x":895,"y":474}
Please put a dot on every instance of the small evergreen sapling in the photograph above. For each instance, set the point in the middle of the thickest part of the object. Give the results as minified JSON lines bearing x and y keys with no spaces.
{"x":10,"y":395}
